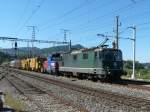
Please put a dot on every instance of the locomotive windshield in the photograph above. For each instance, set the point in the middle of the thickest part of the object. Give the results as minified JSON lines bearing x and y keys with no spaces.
{"x":111,"y":55}
{"x":56,"y":57}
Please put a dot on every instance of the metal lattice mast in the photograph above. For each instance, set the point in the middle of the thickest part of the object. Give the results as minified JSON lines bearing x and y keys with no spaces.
{"x":65,"y":34}
{"x":33,"y":38}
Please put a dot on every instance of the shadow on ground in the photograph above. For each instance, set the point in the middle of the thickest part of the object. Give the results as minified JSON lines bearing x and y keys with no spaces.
{"x":129,"y":81}
{"x":7,"y":110}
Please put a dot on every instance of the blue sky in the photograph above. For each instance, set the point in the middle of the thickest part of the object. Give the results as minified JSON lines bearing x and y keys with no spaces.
{"x":83,"y":18}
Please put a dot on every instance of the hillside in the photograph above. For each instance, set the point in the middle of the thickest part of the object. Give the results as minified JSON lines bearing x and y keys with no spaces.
{"x":25,"y":52}
{"x":4,"y":57}
{"x":47,"y":51}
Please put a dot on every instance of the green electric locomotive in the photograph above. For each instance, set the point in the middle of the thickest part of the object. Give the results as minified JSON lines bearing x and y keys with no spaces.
{"x":94,"y":63}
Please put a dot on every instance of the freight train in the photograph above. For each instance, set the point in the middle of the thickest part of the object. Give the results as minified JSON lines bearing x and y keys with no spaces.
{"x":95,"y":63}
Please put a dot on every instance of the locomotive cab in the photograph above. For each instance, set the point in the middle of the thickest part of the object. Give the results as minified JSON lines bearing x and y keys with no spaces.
{"x":112,"y":64}
{"x":53,"y":63}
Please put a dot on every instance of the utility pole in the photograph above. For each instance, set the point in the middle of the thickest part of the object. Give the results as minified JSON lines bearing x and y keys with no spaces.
{"x":16,"y":48}
{"x":65,"y":34}
{"x":13,"y":46}
{"x":117,"y":32}
{"x":28,"y":49}
{"x":70,"y":46}
{"x":33,"y":38}
{"x":134,"y":49}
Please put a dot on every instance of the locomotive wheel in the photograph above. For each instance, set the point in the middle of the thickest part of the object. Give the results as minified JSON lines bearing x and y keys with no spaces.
{"x":80,"y":76}
{"x":94,"y":78}
{"x":106,"y":79}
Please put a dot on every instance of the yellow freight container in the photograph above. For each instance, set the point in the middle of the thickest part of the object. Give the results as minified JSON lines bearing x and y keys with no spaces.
{"x":23,"y":64}
{"x":33,"y":64}
{"x":28,"y":64}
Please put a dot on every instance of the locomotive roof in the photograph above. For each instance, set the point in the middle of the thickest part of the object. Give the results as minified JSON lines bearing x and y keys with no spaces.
{"x":90,"y":49}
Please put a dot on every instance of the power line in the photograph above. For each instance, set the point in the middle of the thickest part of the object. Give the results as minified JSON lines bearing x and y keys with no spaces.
{"x":66,"y":14}
{"x":139,"y":25}
{"x":87,"y":29}
{"x":23,"y":13}
{"x":124,"y":30}
{"x":32,"y":14}
{"x":133,"y":1}
{"x":112,"y":12}
{"x":93,"y":20}
{"x":144,"y":23}
{"x":125,"y":8}
{"x":135,"y":15}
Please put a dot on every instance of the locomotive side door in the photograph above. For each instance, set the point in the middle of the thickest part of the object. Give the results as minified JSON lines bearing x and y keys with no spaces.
{"x":95,"y":64}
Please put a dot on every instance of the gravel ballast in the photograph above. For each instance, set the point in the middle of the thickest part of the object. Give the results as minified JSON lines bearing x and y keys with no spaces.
{"x":91,"y":103}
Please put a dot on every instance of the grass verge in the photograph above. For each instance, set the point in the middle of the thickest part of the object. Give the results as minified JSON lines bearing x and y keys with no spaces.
{"x":16,"y":104}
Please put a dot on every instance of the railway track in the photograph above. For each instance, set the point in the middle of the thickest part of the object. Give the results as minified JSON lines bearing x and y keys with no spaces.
{"x":133,"y":84}
{"x":117,"y":99}
{"x":44,"y":100}
{"x":27,"y":90}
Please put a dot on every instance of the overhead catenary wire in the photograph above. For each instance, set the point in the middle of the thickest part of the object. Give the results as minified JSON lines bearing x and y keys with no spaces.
{"x":139,"y":0}
{"x":111,"y":13}
{"x":98,"y":27}
{"x":127,"y":6}
{"x":31,"y":15}
{"x":137,"y":15}
{"x":67,"y":13}
{"x":47,"y":26}
{"x":105,"y":15}
{"x":144,"y":23}
{"x":123,"y":8}
{"x":138,"y":25}
{"x":23,"y":13}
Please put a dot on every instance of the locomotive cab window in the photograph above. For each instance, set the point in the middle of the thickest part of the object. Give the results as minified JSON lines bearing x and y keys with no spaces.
{"x":56,"y":57}
{"x":95,"y":54}
{"x":74,"y":57}
{"x":100,"y":55}
{"x":85,"y":56}
{"x":118,"y":56}
{"x":61,"y":58}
